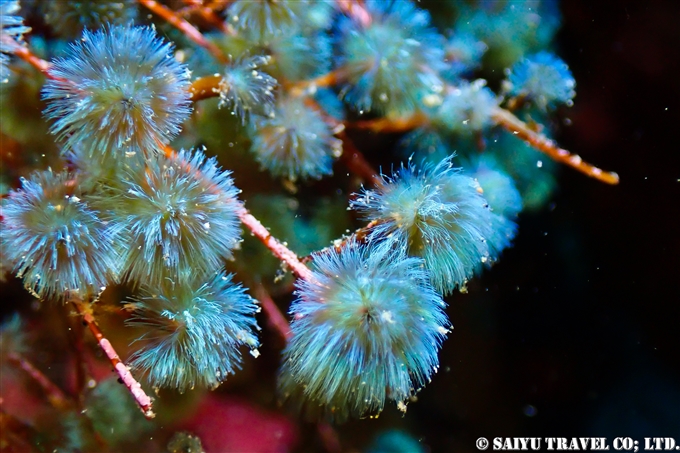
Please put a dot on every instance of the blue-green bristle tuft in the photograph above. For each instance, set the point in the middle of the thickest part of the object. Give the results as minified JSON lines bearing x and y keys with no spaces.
{"x":267,"y":19}
{"x":393,"y":64}
{"x":57,"y":243}
{"x":246,"y":88}
{"x":179,"y":214}
{"x":118,"y":91}
{"x":544,"y":79}
{"x":438,"y":214}
{"x":194,"y":330}
{"x":69,"y":18}
{"x":366,"y":328}
{"x":504,"y":199}
{"x":467,"y":109}
{"x":295,"y":142}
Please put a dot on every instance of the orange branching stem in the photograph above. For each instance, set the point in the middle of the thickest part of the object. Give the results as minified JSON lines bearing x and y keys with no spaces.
{"x":356,"y":10}
{"x":276,"y":319}
{"x":217,"y":4}
{"x":185,"y":27}
{"x":513,"y":124}
{"x":205,"y":87}
{"x":29,"y":57}
{"x":135,"y":388}
{"x":332,"y":78}
{"x":391,"y":125}
{"x":54,"y":394}
{"x":258,"y":230}
{"x":208,"y":15}
{"x":358,"y":236}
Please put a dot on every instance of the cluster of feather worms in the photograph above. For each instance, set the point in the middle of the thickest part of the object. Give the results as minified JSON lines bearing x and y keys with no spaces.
{"x":368,"y":318}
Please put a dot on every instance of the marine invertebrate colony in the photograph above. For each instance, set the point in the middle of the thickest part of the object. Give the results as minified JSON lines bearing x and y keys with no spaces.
{"x":178,"y":215}
{"x":367,"y":327}
{"x":57,"y":242}
{"x":437,"y":214}
{"x":118,"y":90}
{"x":214,"y":318}
{"x":294,"y":85}
{"x":11,"y":26}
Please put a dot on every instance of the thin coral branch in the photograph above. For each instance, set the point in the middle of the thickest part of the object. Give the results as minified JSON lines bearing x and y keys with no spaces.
{"x":82,"y":370}
{"x":356,"y":10}
{"x":276,"y":319}
{"x":274,"y":245}
{"x":358,"y":236}
{"x":205,"y":87}
{"x":135,"y":388}
{"x":185,"y":27}
{"x":513,"y":124}
{"x":29,"y":57}
{"x":208,"y":15}
{"x":329,"y":79}
{"x":14,"y":433}
{"x":55,"y":395}
{"x":391,"y":125}
{"x":218,"y":5}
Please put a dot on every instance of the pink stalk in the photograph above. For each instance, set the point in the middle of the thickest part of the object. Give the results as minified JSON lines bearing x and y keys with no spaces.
{"x":185,"y":27}
{"x":329,"y":437}
{"x":277,"y":248}
{"x":135,"y":388}
{"x":29,"y":57}
{"x":274,"y":315}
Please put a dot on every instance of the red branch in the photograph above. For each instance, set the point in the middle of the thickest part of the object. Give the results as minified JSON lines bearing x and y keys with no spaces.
{"x":329,"y":437}
{"x":141,"y":398}
{"x":29,"y":57}
{"x":55,"y":395}
{"x":15,"y":432}
{"x":208,"y":14}
{"x":353,"y":159}
{"x":185,"y":27}
{"x":274,"y":315}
